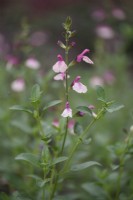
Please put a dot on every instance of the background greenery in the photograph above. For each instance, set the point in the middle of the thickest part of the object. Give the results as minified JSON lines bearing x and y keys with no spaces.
{"x":18,"y":131}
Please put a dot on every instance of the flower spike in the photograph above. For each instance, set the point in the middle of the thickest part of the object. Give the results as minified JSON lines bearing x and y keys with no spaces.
{"x":60,"y":65}
{"x":81,"y":57}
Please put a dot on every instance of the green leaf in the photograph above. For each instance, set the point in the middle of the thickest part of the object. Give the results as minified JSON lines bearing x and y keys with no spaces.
{"x":35,"y":93}
{"x":87,"y":141}
{"x":40,"y":182}
{"x":78,"y":129}
{"x":84,"y":109}
{"x":60,"y":159}
{"x":114,"y":107}
{"x":51,"y":104}
{"x":43,"y":182}
{"x":85,"y":165}
{"x":31,"y":158}
{"x":100,"y":93}
{"x":21,"y":108}
{"x":35,"y":177}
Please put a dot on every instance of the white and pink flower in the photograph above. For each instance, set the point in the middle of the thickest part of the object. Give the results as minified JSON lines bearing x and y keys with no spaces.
{"x":67,"y":111}
{"x":32,"y":63}
{"x":18,"y":85}
{"x":60,"y":66}
{"x":78,"y":86}
{"x":82,"y":56}
{"x":60,"y":76}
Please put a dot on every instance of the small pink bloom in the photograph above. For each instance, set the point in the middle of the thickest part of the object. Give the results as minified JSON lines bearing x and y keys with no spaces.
{"x":60,"y":65}
{"x":78,"y":86}
{"x":32,"y":63}
{"x":109,"y":77}
{"x":11,"y":61}
{"x":18,"y":85}
{"x":55,"y":123}
{"x":98,"y":15}
{"x":71,"y":124}
{"x":60,"y":76}
{"x":38,"y":38}
{"x":118,"y":13}
{"x":68,"y":111}
{"x":96,"y":80}
{"x":81,"y":57}
{"x":105,"y":32}
{"x":91,"y":107}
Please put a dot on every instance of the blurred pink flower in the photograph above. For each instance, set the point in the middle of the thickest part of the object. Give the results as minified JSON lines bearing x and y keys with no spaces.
{"x":71,"y":124}
{"x":60,"y":65}
{"x":98,"y":15}
{"x":32,"y":63}
{"x":96,"y":80}
{"x":105,"y":32}
{"x":109,"y":77}
{"x":38,"y":38}
{"x":18,"y":85}
{"x":11,"y":61}
{"x":118,"y":14}
{"x":67,"y":111}
{"x":91,"y":107}
{"x":55,"y":123}
{"x":81,"y":57}
{"x":78,"y":86}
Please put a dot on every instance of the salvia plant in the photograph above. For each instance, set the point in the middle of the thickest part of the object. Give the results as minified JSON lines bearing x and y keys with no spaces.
{"x":59,"y":146}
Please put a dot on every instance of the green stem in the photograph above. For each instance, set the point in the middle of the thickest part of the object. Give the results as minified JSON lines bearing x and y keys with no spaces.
{"x":121,"y":169}
{"x":66,"y":127}
{"x":65,"y":135}
{"x":80,"y":138}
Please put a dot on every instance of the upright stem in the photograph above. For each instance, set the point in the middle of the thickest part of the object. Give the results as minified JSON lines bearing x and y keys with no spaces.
{"x":80,"y":138}
{"x":66,"y":93}
{"x":66,"y":127}
{"x":121,"y":168}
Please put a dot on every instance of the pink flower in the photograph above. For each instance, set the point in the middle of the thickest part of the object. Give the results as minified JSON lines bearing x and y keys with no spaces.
{"x":81,"y":57}
{"x":109,"y":77}
{"x":32,"y":63}
{"x":105,"y":32}
{"x":78,"y":86}
{"x":18,"y":85}
{"x":60,"y":65}
{"x":55,"y":123}
{"x":68,"y":111}
{"x":98,"y":15}
{"x":118,"y":13}
{"x":96,"y":80}
{"x":60,"y":76}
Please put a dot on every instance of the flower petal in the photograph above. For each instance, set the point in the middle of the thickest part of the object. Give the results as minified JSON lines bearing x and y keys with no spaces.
{"x":59,"y":77}
{"x":87,"y":60}
{"x":79,"y":87}
{"x":60,"y":66}
{"x":67,"y":112}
